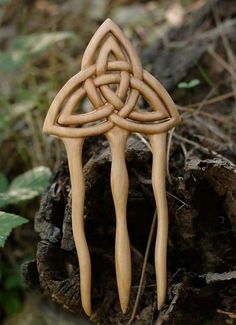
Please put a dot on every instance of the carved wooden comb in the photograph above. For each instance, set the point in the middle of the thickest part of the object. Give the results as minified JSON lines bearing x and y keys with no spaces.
{"x":111,"y":62}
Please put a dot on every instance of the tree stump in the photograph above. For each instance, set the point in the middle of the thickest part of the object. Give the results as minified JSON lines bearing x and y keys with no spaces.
{"x":201,"y":248}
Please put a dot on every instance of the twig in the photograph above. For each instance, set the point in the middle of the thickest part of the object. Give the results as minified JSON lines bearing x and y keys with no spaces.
{"x":228,"y":50}
{"x":214,"y":33}
{"x":222,"y":62}
{"x":213,"y":128}
{"x":225,"y":41}
{"x":140,"y":287}
{"x":175,"y":197}
{"x":192,"y":110}
{"x":229,"y":314}
{"x":184,"y":150}
{"x":216,"y":99}
{"x":168,"y":155}
{"x":206,"y":150}
{"x":144,"y":141}
{"x":202,"y":104}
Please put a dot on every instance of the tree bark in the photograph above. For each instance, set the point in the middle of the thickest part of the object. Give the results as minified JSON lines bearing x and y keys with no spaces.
{"x":201,"y":246}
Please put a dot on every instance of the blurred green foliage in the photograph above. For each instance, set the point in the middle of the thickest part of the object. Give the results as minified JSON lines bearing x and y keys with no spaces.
{"x":23,"y":47}
{"x":8,"y":221}
{"x":24,"y":187}
{"x":23,"y":101}
{"x":10,"y":294}
{"x":189,"y":84}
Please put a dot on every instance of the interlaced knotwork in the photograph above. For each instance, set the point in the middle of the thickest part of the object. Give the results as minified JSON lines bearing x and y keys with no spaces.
{"x":110,"y":108}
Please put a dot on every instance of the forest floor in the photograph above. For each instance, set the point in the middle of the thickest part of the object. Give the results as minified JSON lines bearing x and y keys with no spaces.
{"x":189,"y":46}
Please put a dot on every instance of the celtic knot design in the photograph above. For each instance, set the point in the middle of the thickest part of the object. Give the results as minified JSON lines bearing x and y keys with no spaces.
{"x":110,"y":60}
{"x":113,"y":80}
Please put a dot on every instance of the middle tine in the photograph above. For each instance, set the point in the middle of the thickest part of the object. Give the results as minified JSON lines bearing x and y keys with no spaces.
{"x":120,"y":186}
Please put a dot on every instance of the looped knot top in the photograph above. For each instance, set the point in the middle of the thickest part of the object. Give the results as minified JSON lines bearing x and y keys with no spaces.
{"x":110,"y":60}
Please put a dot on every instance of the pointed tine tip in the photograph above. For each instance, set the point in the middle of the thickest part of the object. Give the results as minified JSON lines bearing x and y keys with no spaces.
{"x":87,"y":310}
{"x":124,"y":306}
{"x":87,"y":307}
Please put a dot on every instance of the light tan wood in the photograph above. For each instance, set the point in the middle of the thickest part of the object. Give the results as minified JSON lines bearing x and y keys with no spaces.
{"x":120,"y":187}
{"x":115,"y":115}
{"x":74,"y":149}
{"x":158,"y":143}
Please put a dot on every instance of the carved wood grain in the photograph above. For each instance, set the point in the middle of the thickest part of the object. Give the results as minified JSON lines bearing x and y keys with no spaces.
{"x":110,"y":59}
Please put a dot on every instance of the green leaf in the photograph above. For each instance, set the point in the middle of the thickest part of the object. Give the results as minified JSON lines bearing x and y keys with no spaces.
{"x":35,"y":179}
{"x":183,"y":85}
{"x":193,"y":83}
{"x":9,"y":221}
{"x":26,"y":186}
{"x":189,"y":85}
{"x":24,"y":46}
{"x":39,"y":42}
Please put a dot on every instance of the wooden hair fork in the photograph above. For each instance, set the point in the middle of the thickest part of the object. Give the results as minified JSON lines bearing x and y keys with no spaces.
{"x":109,"y":60}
